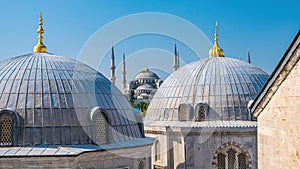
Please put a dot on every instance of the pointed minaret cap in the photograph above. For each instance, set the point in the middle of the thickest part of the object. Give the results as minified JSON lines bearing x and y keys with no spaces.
{"x":216,"y":51}
{"x":40,"y":47}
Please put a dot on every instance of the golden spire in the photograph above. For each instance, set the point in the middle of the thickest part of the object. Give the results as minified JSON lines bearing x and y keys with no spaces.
{"x":146,"y":69}
{"x":216,"y":51}
{"x":40,"y":47}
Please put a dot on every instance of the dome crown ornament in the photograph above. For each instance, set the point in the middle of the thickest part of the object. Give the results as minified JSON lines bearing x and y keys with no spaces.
{"x":216,"y":51}
{"x":40,"y":47}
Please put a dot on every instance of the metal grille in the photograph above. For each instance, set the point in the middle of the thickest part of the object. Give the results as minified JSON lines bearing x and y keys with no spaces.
{"x":141,"y":164}
{"x":157,"y":151}
{"x":231,"y":158}
{"x":201,"y":113}
{"x":101,"y":129}
{"x":242,"y":159}
{"x":221,"y":161}
{"x":6,"y":130}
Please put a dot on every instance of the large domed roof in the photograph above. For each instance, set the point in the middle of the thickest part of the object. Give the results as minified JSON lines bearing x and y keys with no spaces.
{"x":224,"y":85}
{"x":55,"y":97}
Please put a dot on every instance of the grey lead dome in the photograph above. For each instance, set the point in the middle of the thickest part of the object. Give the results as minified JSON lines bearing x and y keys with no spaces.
{"x":54,"y":98}
{"x":225,"y":85}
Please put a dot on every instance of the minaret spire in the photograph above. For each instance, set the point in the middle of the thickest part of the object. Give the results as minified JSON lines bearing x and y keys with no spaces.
{"x":124,"y":75}
{"x":249,"y":57}
{"x":113,"y":67}
{"x":178,"y":63}
{"x":216,"y":51}
{"x":175,"y":66}
{"x":40,"y":47}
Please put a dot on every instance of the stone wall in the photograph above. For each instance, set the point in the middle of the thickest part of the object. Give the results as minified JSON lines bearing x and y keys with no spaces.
{"x":279,"y":126}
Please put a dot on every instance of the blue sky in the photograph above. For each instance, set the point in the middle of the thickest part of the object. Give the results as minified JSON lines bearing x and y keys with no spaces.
{"x":266,"y":27}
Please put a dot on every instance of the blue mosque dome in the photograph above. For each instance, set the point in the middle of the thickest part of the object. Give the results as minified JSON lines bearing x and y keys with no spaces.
{"x":146,"y":74}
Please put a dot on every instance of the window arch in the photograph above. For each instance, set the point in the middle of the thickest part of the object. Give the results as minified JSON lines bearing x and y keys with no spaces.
{"x":201,"y":112}
{"x":9,"y":122}
{"x":231,"y":156}
{"x":157,"y":151}
{"x":242,"y":159}
{"x":184,"y":112}
{"x":221,"y":161}
{"x":6,"y":122}
{"x":141,"y":164}
{"x":101,"y":128}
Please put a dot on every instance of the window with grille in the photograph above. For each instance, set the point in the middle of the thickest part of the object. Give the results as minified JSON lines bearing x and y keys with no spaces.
{"x":157,"y":151}
{"x":231,"y":157}
{"x":242,"y":158}
{"x":6,"y":130}
{"x":101,"y":129}
{"x":221,"y":161}
{"x":201,"y":113}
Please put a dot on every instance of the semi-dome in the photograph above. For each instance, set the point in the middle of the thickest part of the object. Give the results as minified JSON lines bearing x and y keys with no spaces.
{"x":215,"y":88}
{"x":55,"y":100}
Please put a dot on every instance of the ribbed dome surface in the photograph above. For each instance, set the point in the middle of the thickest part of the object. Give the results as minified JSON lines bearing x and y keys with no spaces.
{"x":146,"y":74}
{"x":226,"y":85}
{"x":54,"y":97}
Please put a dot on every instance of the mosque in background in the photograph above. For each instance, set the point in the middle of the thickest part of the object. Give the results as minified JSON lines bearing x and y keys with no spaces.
{"x":56,"y":112}
{"x":199,"y":116}
{"x":145,"y":83}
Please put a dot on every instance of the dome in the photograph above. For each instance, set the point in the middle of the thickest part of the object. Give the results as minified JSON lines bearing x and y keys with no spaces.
{"x":146,"y":74}
{"x":54,"y":99}
{"x":145,"y":87}
{"x":222,"y":86}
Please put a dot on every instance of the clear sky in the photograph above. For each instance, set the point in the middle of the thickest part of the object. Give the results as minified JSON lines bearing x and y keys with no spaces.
{"x":266,"y":27}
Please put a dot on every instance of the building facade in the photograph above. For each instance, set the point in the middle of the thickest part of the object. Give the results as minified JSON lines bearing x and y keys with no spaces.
{"x":277,"y":111}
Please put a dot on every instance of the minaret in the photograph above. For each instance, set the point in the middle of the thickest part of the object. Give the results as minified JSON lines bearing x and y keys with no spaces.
{"x":249,"y":57}
{"x":124,"y":75}
{"x":175,"y":66}
{"x":112,"y":67}
{"x":178,"y":63}
{"x":40,"y":47}
{"x":216,"y":51}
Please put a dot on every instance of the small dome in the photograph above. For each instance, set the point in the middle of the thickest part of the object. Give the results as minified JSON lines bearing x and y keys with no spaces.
{"x":54,"y":98}
{"x":224,"y":85}
{"x":146,"y":74}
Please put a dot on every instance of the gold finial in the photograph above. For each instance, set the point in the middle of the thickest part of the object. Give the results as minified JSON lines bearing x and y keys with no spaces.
{"x":40,"y":47}
{"x":146,"y":69}
{"x":216,"y":51}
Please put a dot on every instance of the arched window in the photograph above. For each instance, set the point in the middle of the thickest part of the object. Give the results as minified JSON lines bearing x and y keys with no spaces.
{"x":221,"y":161}
{"x":242,"y":158}
{"x":141,"y":164}
{"x":231,"y":153}
{"x":157,"y":151}
{"x":101,"y":129}
{"x":201,"y":110}
{"x":184,"y":111}
{"x":231,"y":157}
{"x":6,"y":130}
